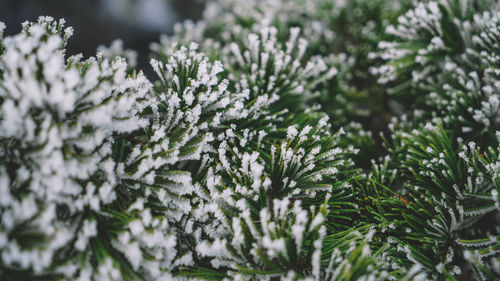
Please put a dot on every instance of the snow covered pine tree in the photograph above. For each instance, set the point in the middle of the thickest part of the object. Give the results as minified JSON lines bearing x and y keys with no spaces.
{"x":279,"y":140}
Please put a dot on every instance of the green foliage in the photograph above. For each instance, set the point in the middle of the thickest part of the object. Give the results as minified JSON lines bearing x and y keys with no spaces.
{"x":279,"y":140}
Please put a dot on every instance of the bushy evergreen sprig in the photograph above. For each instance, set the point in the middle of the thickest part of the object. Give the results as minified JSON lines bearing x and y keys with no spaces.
{"x":343,"y":33}
{"x":60,"y":119}
{"x":440,"y":63}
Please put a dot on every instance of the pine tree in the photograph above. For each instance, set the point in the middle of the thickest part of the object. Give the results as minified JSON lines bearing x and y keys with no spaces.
{"x":276,"y":140}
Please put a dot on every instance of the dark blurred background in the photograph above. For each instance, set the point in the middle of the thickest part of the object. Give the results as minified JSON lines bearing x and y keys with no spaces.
{"x":99,"y":22}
